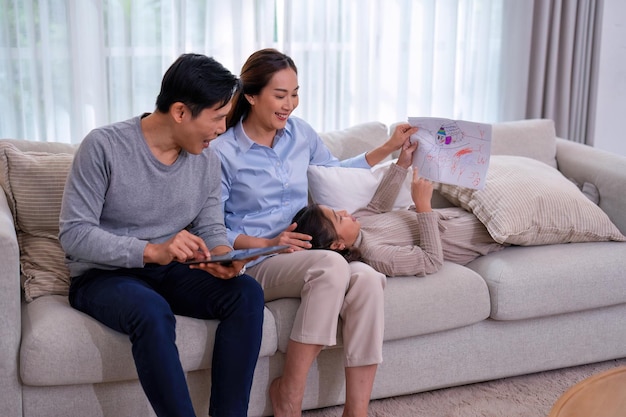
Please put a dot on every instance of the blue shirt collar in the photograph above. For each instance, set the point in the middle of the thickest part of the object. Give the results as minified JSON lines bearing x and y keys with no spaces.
{"x":245,"y":143}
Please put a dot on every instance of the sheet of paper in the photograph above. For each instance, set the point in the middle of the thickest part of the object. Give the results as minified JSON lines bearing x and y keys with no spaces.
{"x":452,"y":151}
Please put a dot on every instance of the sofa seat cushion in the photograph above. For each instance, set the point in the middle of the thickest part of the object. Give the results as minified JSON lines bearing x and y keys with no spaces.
{"x":529,"y":282}
{"x":453,"y":297}
{"x":62,"y":346}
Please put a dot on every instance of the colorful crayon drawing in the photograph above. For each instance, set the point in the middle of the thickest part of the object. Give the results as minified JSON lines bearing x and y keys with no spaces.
{"x":452,"y":151}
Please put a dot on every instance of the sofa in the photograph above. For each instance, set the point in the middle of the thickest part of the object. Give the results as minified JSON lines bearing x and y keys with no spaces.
{"x":536,"y":305}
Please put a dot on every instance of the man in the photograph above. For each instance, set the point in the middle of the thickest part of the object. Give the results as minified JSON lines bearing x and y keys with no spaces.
{"x":143,"y":196}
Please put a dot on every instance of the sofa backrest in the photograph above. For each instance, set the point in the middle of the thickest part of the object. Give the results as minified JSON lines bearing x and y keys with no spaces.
{"x":34,"y":146}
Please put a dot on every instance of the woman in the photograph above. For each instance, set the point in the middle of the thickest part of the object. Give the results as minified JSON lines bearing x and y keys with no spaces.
{"x":265,"y":154}
{"x":399,"y":242}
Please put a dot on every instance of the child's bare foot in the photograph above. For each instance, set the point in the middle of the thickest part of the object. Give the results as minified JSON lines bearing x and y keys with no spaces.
{"x":280,"y":404}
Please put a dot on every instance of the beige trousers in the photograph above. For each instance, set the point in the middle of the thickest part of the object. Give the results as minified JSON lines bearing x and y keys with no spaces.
{"x":329,"y":289}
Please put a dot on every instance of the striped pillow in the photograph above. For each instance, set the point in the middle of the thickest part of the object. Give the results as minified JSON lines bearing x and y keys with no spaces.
{"x":526,"y":202}
{"x":33,"y":183}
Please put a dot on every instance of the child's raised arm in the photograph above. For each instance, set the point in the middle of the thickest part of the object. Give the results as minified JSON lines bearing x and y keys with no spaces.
{"x":421,"y":192}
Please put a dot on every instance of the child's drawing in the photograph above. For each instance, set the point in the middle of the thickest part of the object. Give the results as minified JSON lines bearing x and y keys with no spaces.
{"x":452,"y":151}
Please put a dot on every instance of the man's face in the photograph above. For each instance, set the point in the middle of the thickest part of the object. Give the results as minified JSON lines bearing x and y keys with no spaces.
{"x":196,"y":133}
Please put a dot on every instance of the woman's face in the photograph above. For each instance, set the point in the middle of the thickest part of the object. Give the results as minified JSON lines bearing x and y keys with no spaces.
{"x":346,"y":226}
{"x":273,"y":105}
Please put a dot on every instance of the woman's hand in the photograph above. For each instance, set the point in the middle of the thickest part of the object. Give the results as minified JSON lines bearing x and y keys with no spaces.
{"x":405,"y":159}
{"x":421,"y":193}
{"x":401,"y":133}
{"x":297,"y":241}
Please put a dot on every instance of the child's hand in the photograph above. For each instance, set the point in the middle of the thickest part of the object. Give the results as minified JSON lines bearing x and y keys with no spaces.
{"x":405,"y":159}
{"x":421,"y":193}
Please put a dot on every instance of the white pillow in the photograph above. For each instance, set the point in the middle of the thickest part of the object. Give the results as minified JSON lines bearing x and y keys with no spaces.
{"x":352,"y":188}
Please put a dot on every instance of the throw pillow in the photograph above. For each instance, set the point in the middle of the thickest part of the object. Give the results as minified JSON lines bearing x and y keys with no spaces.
{"x":33,"y":183}
{"x":355,"y":140}
{"x":533,"y":138}
{"x":526,"y":202}
{"x":352,"y":188}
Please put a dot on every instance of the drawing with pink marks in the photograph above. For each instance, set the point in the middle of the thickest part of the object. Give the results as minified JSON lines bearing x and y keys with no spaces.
{"x":452,"y":151}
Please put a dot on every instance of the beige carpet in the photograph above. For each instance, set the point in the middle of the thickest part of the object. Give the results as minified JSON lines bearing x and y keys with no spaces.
{"x":522,"y":396}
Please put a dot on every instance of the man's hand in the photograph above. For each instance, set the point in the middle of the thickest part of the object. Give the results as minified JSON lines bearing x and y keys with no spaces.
{"x":223,"y":271}
{"x":181,"y":247}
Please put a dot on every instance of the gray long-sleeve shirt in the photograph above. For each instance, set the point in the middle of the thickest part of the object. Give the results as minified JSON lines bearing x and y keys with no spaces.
{"x":118,"y":197}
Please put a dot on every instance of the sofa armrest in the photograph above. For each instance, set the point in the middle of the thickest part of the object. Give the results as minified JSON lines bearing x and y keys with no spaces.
{"x":10,"y":314}
{"x":605,"y":170}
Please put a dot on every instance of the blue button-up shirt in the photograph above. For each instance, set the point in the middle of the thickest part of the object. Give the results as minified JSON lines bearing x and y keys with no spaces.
{"x":262,"y":187}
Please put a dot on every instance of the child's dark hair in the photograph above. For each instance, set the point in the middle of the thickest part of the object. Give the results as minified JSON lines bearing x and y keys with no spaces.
{"x":312,"y":221}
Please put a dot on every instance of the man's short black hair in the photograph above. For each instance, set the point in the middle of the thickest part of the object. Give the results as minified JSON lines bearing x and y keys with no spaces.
{"x":198,"y":81}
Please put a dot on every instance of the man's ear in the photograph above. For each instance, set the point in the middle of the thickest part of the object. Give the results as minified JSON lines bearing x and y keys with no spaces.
{"x":177,"y":111}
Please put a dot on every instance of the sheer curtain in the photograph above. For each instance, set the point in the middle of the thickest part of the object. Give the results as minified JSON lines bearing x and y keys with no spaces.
{"x":68,"y":66}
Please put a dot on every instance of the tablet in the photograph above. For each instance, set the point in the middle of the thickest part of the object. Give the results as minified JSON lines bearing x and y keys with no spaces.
{"x":239,"y":255}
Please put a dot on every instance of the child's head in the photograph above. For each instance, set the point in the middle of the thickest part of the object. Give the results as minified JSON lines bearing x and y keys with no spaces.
{"x":329,"y":229}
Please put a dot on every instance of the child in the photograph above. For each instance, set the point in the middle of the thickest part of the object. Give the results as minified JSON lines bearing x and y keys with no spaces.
{"x":399,"y":242}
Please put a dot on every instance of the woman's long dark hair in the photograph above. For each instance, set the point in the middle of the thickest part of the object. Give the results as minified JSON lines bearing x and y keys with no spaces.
{"x":312,"y":221}
{"x":256,"y":73}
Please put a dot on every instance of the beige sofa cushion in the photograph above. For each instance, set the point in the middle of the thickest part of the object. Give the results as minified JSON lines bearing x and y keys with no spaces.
{"x":539,"y":281}
{"x":63,"y":346}
{"x":355,"y":140}
{"x":526,"y":202}
{"x":414,"y":306}
{"x":33,"y":183}
{"x":532,"y":138}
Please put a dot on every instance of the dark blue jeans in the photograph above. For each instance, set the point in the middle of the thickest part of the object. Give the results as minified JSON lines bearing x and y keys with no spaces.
{"x":142,"y":302}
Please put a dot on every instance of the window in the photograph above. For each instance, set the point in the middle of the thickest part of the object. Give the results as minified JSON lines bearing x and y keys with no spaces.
{"x":69,"y":66}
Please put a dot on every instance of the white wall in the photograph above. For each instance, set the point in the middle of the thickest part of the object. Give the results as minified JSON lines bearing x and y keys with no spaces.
{"x":609,"y":131}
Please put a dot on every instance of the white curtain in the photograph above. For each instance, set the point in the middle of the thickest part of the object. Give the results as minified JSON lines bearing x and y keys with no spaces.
{"x":67,"y":66}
